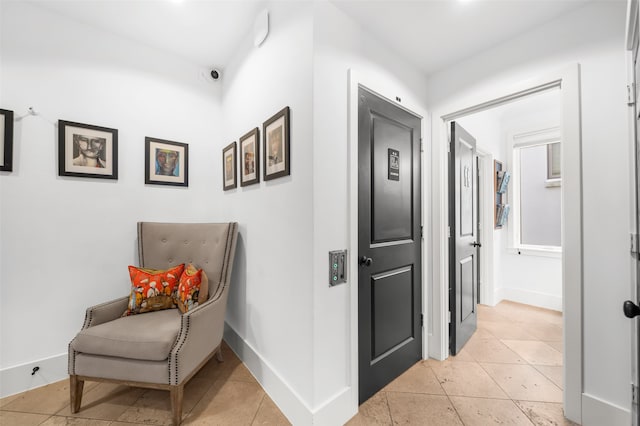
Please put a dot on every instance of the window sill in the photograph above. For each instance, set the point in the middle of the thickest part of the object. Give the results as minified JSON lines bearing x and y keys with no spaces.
{"x":553,"y":252}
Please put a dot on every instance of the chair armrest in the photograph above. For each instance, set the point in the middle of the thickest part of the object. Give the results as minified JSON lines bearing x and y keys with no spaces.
{"x":200,"y":333}
{"x":105,"y":312}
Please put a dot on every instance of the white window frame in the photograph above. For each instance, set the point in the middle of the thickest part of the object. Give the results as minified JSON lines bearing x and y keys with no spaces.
{"x":517,"y":141}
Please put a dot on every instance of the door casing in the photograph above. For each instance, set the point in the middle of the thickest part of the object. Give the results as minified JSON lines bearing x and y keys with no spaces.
{"x":568,"y":79}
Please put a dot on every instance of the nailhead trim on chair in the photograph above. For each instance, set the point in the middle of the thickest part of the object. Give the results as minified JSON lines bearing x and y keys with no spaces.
{"x":173,"y":380}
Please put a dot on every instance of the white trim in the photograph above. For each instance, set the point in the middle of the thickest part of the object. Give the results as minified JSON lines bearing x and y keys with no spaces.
{"x":540,"y":251}
{"x":529,"y":297}
{"x":486,"y":203}
{"x":596,"y":412}
{"x":282,"y":393}
{"x":389,"y":90}
{"x":517,"y":141}
{"x":568,"y":80}
{"x":18,"y":378}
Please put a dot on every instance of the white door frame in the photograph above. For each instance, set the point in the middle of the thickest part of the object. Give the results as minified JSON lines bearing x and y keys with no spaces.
{"x":392,"y":91}
{"x":486,"y":202}
{"x":568,"y":79}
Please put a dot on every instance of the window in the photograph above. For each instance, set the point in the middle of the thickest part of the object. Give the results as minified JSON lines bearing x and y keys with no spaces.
{"x":537,"y":191}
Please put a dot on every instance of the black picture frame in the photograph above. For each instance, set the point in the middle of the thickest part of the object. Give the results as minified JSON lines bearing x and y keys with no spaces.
{"x":229,"y":167}
{"x":250,"y":158}
{"x":86,"y":150}
{"x":166,"y":162}
{"x":6,"y":140}
{"x":276,"y":152}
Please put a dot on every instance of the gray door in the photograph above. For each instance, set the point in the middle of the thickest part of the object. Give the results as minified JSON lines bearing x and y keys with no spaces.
{"x":630,"y":308}
{"x":389,"y":242}
{"x":463,"y":241}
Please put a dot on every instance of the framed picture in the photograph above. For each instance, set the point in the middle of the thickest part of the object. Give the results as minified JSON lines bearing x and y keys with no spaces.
{"x":229,"y":167}
{"x":275,"y":146}
{"x":166,"y":162}
{"x":250,"y":158}
{"x":6,"y":140}
{"x":85,"y":150}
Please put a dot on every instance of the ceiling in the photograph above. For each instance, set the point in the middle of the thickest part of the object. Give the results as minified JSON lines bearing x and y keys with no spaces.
{"x":432,"y":34}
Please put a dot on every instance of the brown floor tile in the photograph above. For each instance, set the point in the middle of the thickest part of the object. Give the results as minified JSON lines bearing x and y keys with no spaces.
{"x":544,"y":413}
{"x":154,"y":406}
{"x":507,"y":330}
{"x":48,"y":399}
{"x":557,"y":345}
{"x":544,"y":331}
{"x":553,"y":373}
{"x":374,"y":411}
{"x":484,"y":412}
{"x":523,"y":382}
{"x":269,"y":414}
{"x":417,"y":379}
{"x":11,"y":418}
{"x":227,"y":403}
{"x":491,"y":350}
{"x":107,"y":401}
{"x":535,"y":352}
{"x":71,"y":421}
{"x":4,"y":401}
{"x":483,"y":333}
{"x":467,"y":379}
{"x":417,"y":409}
{"x":487,"y":313}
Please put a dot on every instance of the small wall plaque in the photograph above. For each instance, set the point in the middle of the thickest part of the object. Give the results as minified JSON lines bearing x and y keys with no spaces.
{"x":394,"y":164}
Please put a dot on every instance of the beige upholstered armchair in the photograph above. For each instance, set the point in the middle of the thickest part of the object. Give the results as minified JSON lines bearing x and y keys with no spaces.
{"x":161,"y":349}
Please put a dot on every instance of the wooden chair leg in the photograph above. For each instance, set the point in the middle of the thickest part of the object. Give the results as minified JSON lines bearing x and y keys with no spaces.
{"x":177,"y":393}
{"x":75,"y":388}
{"x":219,"y":356}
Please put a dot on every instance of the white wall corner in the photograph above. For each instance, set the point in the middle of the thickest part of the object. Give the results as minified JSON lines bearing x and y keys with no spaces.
{"x":596,"y":412}
{"x":18,"y":378}
{"x":337,"y":410}
{"x":285,"y":397}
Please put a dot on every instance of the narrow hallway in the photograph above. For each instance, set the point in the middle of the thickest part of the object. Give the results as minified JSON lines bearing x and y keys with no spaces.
{"x":510,"y":372}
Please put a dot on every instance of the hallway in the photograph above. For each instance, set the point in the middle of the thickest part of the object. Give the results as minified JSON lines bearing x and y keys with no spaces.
{"x":510,"y":372}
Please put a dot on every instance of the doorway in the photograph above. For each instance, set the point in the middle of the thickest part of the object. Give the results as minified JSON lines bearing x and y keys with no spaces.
{"x":568,"y":81}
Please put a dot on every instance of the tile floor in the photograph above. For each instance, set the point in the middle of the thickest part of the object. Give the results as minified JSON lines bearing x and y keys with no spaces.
{"x":510,"y":372}
{"x":220,"y":394}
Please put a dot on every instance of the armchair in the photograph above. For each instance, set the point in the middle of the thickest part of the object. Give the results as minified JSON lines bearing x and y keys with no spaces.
{"x":162,"y":349}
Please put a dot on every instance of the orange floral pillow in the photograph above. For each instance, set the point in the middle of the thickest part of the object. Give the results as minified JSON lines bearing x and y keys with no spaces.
{"x":152,"y":289}
{"x":193,"y":288}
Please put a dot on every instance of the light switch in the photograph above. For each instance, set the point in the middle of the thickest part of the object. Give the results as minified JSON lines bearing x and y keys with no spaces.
{"x":337,"y":267}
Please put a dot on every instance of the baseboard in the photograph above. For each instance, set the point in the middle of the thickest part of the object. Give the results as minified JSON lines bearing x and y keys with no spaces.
{"x":289,"y":402}
{"x":18,"y":379}
{"x":528,"y":297}
{"x":596,"y":412}
{"x":337,"y":410}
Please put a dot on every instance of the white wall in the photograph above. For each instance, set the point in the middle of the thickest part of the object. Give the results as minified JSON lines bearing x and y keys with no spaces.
{"x":339,"y":45}
{"x":270,"y":310}
{"x":66,"y":242}
{"x":596,"y":41}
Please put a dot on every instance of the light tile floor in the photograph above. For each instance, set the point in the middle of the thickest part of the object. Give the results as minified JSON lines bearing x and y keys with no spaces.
{"x":220,"y":394}
{"x":509,"y":373}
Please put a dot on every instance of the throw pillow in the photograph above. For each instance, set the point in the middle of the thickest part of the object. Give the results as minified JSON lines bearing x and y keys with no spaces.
{"x":193,"y":288}
{"x":152,"y":289}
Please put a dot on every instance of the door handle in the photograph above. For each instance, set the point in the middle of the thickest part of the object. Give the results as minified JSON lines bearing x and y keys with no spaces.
{"x":476,"y":244}
{"x":630,"y":309}
{"x":365,"y":261}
